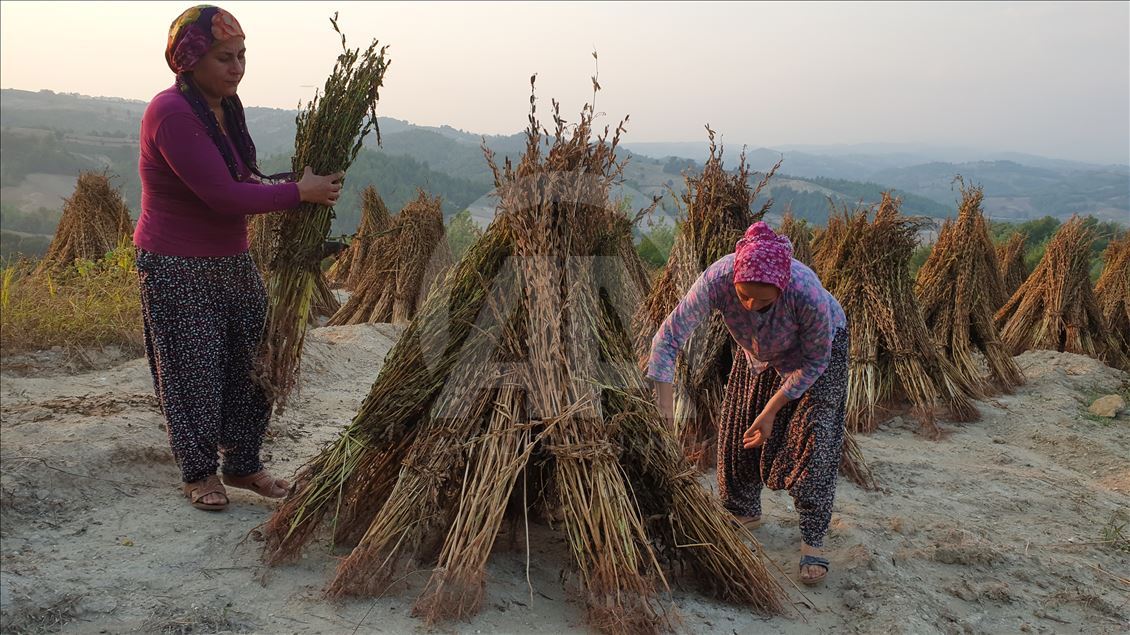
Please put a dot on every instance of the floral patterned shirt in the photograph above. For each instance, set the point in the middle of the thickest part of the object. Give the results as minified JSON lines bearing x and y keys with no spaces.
{"x":793,"y":336}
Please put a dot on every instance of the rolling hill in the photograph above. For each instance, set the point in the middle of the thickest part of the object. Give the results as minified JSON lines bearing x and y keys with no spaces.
{"x":49,"y":137}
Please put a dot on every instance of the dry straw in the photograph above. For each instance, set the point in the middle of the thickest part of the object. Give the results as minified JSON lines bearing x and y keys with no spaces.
{"x":1013,"y":269}
{"x":329,"y":134}
{"x":401,"y":266}
{"x":323,"y":303}
{"x":800,"y":235}
{"x":1112,"y":292}
{"x":95,"y":221}
{"x":1055,"y":308}
{"x":959,"y":289}
{"x":348,"y":270}
{"x":519,"y":368}
{"x":262,"y":237}
{"x":892,"y":358}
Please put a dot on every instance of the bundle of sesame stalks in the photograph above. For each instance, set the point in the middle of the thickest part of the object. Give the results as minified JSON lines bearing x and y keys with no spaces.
{"x":1013,"y":269}
{"x":517,"y":379}
{"x":717,"y":205}
{"x":348,"y":270}
{"x":892,"y":358}
{"x":323,"y":303}
{"x":959,"y":289}
{"x":1055,"y":308}
{"x":1112,"y":292}
{"x":95,"y":221}
{"x":329,"y":135}
{"x":402,"y":264}
{"x":262,"y":238}
{"x":800,"y":235}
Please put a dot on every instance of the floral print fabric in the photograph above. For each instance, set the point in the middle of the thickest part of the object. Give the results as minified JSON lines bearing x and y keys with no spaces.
{"x":763,"y":256}
{"x":194,"y":32}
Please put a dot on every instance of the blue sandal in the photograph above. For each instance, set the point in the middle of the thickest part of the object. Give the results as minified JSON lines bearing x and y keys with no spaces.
{"x":814,"y":561}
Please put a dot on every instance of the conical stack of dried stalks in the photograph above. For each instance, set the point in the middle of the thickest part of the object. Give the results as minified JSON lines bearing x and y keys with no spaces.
{"x":323,"y":303}
{"x":521,"y":364}
{"x":1055,"y":308}
{"x":1010,"y":259}
{"x":328,"y":135}
{"x":800,"y":234}
{"x":401,"y":266}
{"x":892,"y":357}
{"x":718,"y":209}
{"x":1112,"y":292}
{"x":959,"y":288}
{"x":347,"y":271}
{"x":95,"y":221}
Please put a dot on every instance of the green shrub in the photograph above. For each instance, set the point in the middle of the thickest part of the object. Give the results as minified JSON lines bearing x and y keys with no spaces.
{"x":90,"y":305}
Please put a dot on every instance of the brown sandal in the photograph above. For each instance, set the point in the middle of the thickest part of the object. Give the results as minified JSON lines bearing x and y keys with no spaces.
{"x":196,"y":491}
{"x":260,"y":482}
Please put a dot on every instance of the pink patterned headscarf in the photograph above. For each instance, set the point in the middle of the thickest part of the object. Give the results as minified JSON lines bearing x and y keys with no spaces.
{"x":763,"y":256}
{"x":194,"y":32}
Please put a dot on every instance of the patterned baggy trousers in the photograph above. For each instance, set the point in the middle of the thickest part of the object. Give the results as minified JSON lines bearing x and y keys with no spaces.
{"x":802,"y":455}
{"x":204,"y":318}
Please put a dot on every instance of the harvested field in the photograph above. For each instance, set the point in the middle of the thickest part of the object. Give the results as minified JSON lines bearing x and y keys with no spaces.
{"x":1003,"y":526}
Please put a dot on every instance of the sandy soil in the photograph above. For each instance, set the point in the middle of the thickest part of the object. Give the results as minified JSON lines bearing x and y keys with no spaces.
{"x":998,"y":528}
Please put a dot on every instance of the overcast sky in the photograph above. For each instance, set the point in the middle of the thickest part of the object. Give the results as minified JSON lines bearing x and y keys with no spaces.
{"x":1044,"y":78}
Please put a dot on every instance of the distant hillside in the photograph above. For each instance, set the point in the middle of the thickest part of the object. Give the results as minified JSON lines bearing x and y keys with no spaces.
{"x":48,"y":138}
{"x":1018,"y":188}
{"x":1015,"y":191}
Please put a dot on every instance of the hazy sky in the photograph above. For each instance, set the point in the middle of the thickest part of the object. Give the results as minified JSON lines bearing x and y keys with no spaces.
{"x":1044,"y":78}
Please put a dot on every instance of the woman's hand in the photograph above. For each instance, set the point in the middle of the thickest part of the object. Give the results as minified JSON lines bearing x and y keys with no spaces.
{"x":321,"y":190}
{"x":760,"y":431}
{"x":665,"y":397}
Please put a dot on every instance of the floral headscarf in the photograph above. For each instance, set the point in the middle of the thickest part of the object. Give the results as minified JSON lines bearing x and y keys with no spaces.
{"x":191,"y":36}
{"x":763,"y":256}
{"x":193,"y":33}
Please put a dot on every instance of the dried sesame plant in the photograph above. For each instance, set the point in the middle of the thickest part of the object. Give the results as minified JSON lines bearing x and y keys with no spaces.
{"x":518,"y":375}
{"x":959,"y":289}
{"x":330,"y":132}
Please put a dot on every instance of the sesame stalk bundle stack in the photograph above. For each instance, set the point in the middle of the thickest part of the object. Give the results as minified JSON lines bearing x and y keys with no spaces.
{"x":517,"y":379}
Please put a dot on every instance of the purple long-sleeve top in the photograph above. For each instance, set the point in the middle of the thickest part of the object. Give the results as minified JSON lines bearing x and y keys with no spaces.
{"x":190,"y":204}
{"x":793,"y":336}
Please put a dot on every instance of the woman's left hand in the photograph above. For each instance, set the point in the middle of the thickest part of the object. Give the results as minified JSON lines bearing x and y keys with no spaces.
{"x":759,"y":432}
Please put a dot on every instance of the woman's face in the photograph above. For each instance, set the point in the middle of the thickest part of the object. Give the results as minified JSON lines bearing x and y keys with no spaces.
{"x":756,"y":296}
{"x":219,"y":72}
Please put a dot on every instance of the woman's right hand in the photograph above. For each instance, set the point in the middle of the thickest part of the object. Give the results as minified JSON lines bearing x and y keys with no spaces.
{"x":320,"y":190}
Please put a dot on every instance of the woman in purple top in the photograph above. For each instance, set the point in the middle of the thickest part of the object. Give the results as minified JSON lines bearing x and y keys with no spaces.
{"x":203,"y":301}
{"x":782,"y":419}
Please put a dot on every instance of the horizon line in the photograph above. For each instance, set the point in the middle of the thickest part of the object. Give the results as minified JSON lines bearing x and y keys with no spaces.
{"x":704,"y":142}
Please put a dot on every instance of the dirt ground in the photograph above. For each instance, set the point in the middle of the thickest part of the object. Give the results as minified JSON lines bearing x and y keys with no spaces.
{"x":1016,"y":523}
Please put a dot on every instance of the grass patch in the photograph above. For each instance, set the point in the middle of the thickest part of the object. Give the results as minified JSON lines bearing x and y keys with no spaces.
{"x":91,"y":304}
{"x":1116,"y":532}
